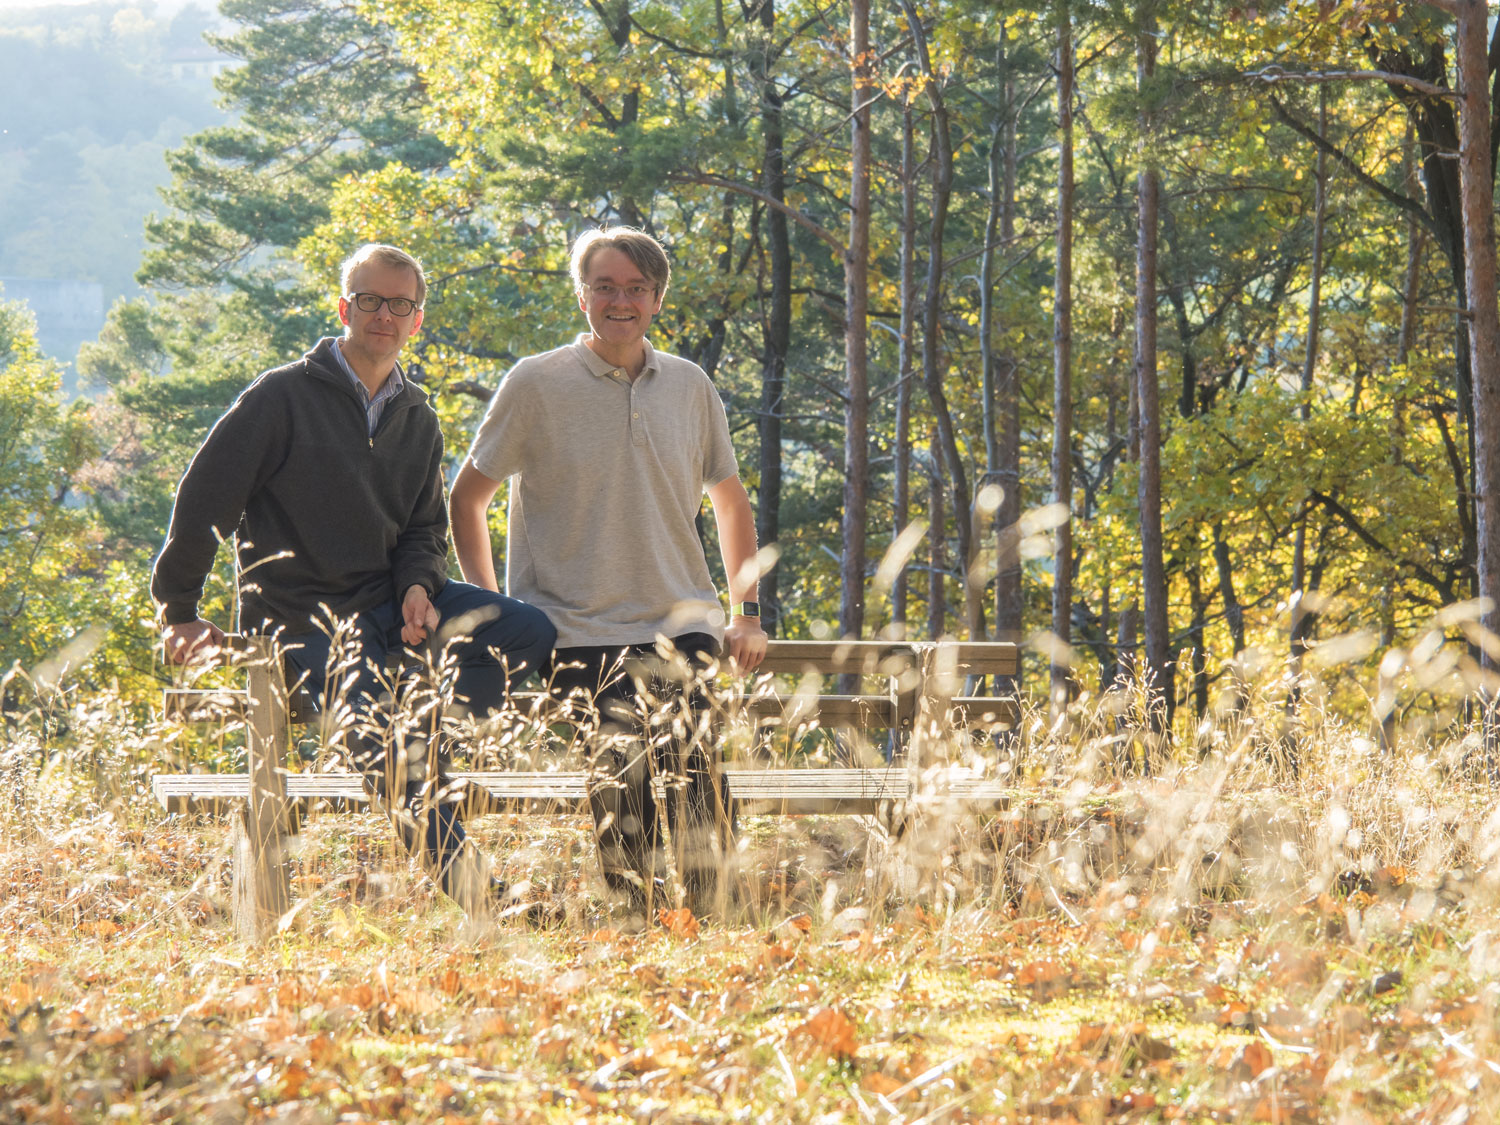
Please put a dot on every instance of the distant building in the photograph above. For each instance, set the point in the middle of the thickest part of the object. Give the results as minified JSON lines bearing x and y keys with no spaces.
{"x":196,"y":63}
{"x":68,"y":313}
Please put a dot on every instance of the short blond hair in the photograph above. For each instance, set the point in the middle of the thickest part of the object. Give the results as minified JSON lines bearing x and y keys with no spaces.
{"x":644,"y":252}
{"x":383,"y":255}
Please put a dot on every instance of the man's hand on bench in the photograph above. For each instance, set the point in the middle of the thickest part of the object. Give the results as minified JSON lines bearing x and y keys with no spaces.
{"x":745,"y":641}
{"x":196,"y":640}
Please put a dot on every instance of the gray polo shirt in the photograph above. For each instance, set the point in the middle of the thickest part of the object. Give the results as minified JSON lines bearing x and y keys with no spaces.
{"x":606,"y":478}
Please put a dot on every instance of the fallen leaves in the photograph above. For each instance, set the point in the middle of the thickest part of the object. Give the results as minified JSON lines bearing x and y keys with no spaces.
{"x":1045,"y":979}
{"x":1125,"y":1047}
{"x":680,"y":922}
{"x":830,"y":1031}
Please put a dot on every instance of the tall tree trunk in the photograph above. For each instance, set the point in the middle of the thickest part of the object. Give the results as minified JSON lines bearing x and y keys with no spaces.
{"x":1476,"y":177}
{"x":777,"y":325}
{"x":901,"y":470}
{"x":1062,"y":366}
{"x":937,"y":543}
{"x":1302,"y":620}
{"x":932,"y":367}
{"x":1009,"y":602}
{"x":1410,"y":289}
{"x":856,"y":329}
{"x":1197,"y":631}
{"x":1161,"y":691}
{"x":989,"y":362}
{"x":1234,"y":617}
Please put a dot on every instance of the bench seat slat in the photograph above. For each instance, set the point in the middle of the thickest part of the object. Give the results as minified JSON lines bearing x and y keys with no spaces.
{"x":974,"y":710}
{"x":188,"y":705}
{"x":757,"y":790}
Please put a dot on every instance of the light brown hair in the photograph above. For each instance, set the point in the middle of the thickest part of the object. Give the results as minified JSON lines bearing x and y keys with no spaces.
{"x":644,"y":252}
{"x":383,"y":255}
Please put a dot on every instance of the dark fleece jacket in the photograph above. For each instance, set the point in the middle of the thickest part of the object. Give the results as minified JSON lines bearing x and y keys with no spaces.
{"x":321,"y":513}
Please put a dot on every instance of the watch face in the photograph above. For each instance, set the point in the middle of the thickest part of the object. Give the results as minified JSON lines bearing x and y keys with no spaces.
{"x":748,"y":609}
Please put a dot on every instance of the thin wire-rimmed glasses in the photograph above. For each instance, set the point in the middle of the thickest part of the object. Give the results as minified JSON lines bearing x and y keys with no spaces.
{"x":607,"y":292}
{"x":371,"y":302}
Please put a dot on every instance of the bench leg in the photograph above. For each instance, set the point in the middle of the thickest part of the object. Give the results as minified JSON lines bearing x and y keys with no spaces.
{"x":262,"y":884}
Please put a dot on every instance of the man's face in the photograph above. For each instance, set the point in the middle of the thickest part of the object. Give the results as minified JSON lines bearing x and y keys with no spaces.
{"x":379,"y":335}
{"x":618,"y":299}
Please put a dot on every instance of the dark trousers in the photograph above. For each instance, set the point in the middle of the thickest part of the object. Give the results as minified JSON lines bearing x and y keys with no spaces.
{"x":488,"y":642}
{"x":652,"y":718}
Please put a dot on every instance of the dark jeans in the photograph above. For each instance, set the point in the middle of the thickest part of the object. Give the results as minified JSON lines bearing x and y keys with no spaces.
{"x":489,"y":641}
{"x":652,"y":718}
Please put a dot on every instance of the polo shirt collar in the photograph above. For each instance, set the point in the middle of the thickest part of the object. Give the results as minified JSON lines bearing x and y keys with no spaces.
{"x":598,"y":365}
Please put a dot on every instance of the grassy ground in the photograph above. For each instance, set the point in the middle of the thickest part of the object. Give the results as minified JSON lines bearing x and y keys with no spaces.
{"x":1219,"y":942}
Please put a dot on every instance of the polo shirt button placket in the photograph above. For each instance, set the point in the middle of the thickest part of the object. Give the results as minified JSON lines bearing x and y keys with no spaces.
{"x":637,"y":432}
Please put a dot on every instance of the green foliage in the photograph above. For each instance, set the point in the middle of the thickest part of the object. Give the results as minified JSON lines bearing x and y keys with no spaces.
{"x":485,"y":140}
{"x":54,"y":584}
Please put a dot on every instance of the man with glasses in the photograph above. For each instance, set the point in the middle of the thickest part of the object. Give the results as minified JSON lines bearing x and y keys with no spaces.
{"x":609,"y":446}
{"x":328,"y":474}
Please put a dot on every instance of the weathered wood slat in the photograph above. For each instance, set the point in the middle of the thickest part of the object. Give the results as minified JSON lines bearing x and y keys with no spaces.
{"x":862,"y":711}
{"x":983,"y":710}
{"x":754,"y":790}
{"x":834,"y":658}
{"x":976,"y":658}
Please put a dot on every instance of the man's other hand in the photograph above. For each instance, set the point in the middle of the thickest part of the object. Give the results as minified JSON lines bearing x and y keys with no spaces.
{"x":192,"y":641}
{"x":746,"y":642}
{"x":419,"y":616}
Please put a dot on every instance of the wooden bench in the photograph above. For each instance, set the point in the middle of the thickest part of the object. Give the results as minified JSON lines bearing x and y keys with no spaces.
{"x":917,"y":687}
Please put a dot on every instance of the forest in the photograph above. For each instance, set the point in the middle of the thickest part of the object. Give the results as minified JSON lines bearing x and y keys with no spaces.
{"x":909,"y":248}
{"x":1160,"y":339}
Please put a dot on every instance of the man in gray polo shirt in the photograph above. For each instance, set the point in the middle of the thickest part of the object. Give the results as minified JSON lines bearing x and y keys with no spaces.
{"x":609,"y":446}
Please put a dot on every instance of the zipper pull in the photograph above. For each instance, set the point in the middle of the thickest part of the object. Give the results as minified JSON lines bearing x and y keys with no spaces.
{"x":372,"y":443}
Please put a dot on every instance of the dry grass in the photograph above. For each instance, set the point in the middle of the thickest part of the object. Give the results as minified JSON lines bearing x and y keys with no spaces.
{"x":1221,"y":940}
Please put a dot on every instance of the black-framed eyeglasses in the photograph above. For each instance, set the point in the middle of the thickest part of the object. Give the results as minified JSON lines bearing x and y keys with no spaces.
{"x":607,"y":292}
{"x":371,"y":302}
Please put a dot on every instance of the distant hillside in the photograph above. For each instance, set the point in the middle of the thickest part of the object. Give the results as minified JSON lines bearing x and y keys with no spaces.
{"x":93,"y":95}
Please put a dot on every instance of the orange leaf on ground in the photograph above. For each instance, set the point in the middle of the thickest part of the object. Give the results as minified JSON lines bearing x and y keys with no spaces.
{"x":293,"y":1079}
{"x":1237,"y":1014}
{"x":830,"y":1031}
{"x":1045,"y":979}
{"x":679,"y":922}
{"x":1251,"y":1060}
{"x":320,"y":1048}
{"x":878,"y":1083}
{"x":779,"y":953}
{"x":554,"y":1049}
{"x":651,"y":976}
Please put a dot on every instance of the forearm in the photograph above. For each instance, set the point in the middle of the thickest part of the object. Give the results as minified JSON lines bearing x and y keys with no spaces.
{"x":471,"y":543}
{"x":467,"y":505}
{"x":736,"y":523}
{"x":420,"y":557}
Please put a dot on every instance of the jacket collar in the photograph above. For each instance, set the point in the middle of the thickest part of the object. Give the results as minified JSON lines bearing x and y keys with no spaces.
{"x":324,"y":365}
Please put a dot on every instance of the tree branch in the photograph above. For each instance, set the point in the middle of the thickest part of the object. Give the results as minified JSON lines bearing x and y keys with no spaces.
{"x":1405,"y":203}
{"x":471,"y":387}
{"x":1351,"y":521}
{"x":1273,"y":74}
{"x":705,"y":179}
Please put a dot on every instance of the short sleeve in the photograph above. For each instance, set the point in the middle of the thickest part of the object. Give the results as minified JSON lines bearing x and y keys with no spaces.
{"x":719,"y":462}
{"x":499,"y":447}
